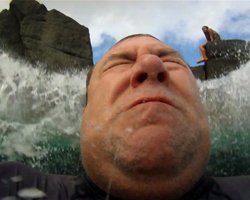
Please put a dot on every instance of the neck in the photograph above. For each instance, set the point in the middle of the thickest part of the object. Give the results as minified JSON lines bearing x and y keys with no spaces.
{"x":145,"y":188}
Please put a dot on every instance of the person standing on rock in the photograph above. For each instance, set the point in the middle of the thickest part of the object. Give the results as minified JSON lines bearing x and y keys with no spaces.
{"x":211,"y":36}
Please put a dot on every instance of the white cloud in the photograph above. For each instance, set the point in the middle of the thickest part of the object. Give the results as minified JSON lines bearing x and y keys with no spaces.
{"x":4,"y":4}
{"x":183,"y":19}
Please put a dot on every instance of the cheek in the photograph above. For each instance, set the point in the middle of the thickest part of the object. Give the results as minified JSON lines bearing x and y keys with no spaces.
{"x":92,"y":138}
{"x":104,"y":94}
{"x":185,"y":85}
{"x":113,"y":84}
{"x":98,"y":107}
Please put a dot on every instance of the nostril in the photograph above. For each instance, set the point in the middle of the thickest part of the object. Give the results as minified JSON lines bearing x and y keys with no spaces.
{"x":142,"y":77}
{"x":161,"y":76}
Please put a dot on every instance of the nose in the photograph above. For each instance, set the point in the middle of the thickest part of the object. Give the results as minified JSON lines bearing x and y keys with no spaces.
{"x":148,"y":68}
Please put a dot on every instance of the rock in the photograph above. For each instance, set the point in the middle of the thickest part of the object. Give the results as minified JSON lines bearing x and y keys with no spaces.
{"x":223,"y":57}
{"x":28,"y":30}
{"x":9,"y":33}
{"x":199,"y":72}
{"x":23,"y":8}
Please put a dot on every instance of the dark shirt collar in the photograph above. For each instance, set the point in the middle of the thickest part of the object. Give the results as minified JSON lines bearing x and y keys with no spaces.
{"x":200,"y":189}
{"x":89,"y":189}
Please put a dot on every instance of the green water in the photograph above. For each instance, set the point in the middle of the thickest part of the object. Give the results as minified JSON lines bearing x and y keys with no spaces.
{"x":60,"y":155}
{"x":229,"y":154}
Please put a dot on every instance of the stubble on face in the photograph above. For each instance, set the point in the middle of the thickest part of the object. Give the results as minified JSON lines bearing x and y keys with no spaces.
{"x":153,"y":142}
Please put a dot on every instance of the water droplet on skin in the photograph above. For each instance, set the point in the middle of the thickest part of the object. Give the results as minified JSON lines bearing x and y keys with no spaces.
{"x":98,"y":127}
{"x":108,"y":189}
{"x":129,"y":130}
{"x":16,"y":179}
{"x":31,"y":193}
{"x":93,"y":145}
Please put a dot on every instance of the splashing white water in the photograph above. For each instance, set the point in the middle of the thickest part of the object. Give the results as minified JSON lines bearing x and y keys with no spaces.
{"x":227,"y":99}
{"x":30,"y":193}
{"x":34,"y":104}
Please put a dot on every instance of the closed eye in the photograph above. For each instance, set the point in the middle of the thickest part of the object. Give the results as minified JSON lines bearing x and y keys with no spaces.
{"x":174,"y":62}
{"x":118,"y":60}
{"x":117,"y":64}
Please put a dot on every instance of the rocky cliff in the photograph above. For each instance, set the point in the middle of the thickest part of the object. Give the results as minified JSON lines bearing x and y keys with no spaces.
{"x":28,"y":30}
{"x":223,"y":57}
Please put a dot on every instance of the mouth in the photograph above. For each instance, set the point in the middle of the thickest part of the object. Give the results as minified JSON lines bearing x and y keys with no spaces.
{"x":150,"y":99}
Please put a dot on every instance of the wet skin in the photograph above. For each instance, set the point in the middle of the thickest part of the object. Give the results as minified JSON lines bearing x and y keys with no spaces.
{"x":144,"y":133}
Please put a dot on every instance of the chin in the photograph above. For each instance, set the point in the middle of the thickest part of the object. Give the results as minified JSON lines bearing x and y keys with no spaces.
{"x":148,"y":153}
{"x":153,"y":178}
{"x":157,"y":150}
{"x":158,"y":186}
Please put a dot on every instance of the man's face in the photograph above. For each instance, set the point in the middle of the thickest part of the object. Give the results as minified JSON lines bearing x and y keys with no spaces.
{"x":144,"y":116}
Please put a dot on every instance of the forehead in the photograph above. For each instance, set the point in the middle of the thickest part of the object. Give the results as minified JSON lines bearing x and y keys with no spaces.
{"x":137,"y":43}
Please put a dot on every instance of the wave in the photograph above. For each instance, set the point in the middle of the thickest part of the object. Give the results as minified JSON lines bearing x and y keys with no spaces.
{"x":35,"y":104}
{"x":227,"y":99}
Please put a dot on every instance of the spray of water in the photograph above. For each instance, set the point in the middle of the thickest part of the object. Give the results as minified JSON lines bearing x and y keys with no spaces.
{"x":35,"y":104}
{"x":227,"y":102}
{"x":227,"y":99}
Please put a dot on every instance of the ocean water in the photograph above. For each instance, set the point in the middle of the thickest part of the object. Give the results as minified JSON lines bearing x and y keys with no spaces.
{"x":40,"y":117}
{"x":227,"y":102}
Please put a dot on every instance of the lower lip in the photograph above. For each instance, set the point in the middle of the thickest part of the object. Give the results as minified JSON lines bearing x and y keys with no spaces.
{"x":151,"y":102}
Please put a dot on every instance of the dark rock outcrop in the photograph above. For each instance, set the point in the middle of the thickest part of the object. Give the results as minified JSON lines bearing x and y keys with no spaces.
{"x":223,"y":57}
{"x":29,"y":31}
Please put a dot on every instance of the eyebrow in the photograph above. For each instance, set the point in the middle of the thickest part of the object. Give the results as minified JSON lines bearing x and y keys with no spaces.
{"x":120,"y":55}
{"x":167,"y":52}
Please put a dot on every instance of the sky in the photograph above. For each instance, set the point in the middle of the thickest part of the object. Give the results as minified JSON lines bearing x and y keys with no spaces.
{"x":175,"y":22}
